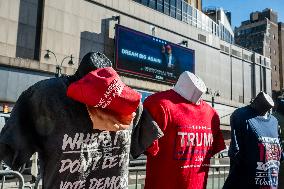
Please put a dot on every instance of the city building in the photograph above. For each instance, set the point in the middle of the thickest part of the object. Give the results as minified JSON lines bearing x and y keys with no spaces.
{"x":195,"y":3}
{"x":37,"y":39}
{"x":260,"y":34}
{"x":281,"y":53}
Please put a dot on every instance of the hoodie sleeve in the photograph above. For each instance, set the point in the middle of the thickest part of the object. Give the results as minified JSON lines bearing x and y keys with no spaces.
{"x":17,"y":137}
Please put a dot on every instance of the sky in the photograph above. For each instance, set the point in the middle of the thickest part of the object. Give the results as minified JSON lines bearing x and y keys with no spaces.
{"x":241,"y":9}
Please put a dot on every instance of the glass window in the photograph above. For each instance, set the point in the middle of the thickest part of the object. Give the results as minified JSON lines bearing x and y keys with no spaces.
{"x":144,"y":2}
{"x":189,"y":14}
{"x":167,"y":7}
{"x":184,"y":12}
{"x":178,"y":13}
{"x":160,"y":5}
{"x":194,"y":22}
{"x":198,"y":18}
{"x":152,"y":4}
{"x":173,"y":8}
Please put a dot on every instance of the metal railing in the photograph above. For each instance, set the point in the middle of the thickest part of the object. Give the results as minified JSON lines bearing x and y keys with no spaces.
{"x":137,"y":173}
{"x":216,"y":176}
{"x":5,"y":173}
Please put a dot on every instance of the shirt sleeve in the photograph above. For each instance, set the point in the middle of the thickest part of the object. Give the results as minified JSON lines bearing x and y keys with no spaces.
{"x":218,"y":139}
{"x":16,"y":138}
{"x":145,"y":132}
{"x":159,"y":115}
{"x":237,"y":138}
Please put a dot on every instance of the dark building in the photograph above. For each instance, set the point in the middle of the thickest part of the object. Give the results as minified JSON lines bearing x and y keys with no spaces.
{"x":195,"y":3}
{"x":281,"y":52}
{"x":260,"y":34}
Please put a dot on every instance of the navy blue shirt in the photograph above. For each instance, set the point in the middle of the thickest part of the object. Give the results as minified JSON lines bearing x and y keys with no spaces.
{"x":255,"y":151}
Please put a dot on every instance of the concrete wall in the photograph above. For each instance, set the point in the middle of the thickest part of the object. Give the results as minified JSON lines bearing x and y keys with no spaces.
{"x":225,"y":84}
{"x":19,"y":21}
{"x":257,"y":73}
{"x":248,"y":81}
{"x":9,"y":17}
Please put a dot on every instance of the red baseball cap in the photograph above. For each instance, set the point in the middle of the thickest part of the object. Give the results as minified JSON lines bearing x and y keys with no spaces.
{"x":103,"y":88}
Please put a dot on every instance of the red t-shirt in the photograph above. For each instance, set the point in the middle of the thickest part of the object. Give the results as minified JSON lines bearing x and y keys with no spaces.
{"x":192,"y":135}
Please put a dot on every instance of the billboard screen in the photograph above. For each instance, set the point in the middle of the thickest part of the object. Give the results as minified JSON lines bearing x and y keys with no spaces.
{"x":147,"y":56}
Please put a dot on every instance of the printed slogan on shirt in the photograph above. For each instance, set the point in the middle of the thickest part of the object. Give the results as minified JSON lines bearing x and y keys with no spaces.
{"x":97,"y":152}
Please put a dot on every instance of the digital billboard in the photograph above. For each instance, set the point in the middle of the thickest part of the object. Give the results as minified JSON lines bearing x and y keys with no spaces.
{"x":147,"y":56}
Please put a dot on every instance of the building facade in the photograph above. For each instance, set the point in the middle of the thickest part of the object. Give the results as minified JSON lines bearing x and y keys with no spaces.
{"x":223,"y":18}
{"x":260,"y":34}
{"x":281,"y":52}
{"x":30,"y":27}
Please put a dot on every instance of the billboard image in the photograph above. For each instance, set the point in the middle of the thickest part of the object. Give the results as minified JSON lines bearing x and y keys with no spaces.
{"x":149,"y":57}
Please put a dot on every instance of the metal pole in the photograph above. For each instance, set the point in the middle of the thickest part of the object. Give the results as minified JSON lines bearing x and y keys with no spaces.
{"x":213,"y":101}
{"x":136,"y":180}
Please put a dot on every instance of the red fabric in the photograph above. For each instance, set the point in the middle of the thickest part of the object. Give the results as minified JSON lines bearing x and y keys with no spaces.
{"x":192,"y":135}
{"x":104,"y":89}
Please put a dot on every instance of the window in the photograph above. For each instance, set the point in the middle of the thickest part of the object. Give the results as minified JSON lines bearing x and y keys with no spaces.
{"x":178,"y":6}
{"x":160,"y":5}
{"x":275,"y":68}
{"x":184,"y":12}
{"x":202,"y":38}
{"x":173,"y":8}
{"x":274,"y":36}
{"x":236,"y":53}
{"x":275,"y":83}
{"x":144,"y":2}
{"x":167,"y":7}
{"x":189,"y":13}
{"x":194,"y":17}
{"x":152,"y":4}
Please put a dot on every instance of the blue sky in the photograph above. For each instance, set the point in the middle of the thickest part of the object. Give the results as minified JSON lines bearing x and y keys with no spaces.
{"x":242,"y":8}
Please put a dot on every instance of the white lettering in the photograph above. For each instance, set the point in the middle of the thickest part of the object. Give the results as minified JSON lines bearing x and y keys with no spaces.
{"x":195,"y":139}
{"x":76,"y":185}
{"x":182,"y":140}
